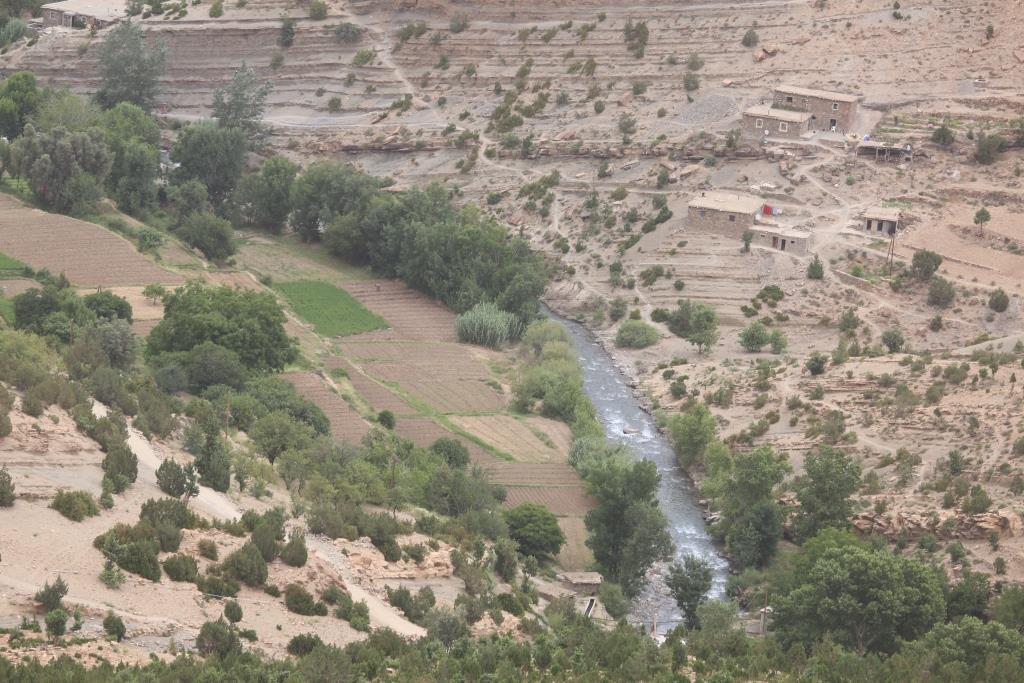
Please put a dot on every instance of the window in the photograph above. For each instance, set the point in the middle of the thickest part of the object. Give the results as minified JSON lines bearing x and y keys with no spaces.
{"x":732,"y":218}
{"x":759,"y":123}
{"x":783,"y":127}
{"x":835,"y":106}
{"x":789,"y":99}
{"x":703,"y":213}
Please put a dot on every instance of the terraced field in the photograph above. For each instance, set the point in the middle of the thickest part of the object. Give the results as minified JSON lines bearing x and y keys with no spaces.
{"x":527,"y":440}
{"x":90,"y":256}
{"x":346,"y":423}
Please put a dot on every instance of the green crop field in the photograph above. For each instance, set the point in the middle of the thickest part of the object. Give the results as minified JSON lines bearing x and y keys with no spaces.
{"x":7,"y":310}
{"x":331,"y":310}
{"x":10,"y":266}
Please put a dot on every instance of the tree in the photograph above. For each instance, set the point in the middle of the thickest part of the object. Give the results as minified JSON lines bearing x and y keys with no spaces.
{"x":866,"y":599}
{"x":327,"y":191}
{"x":114,"y":627}
{"x":263,"y":199}
{"x":19,"y":99}
{"x":170,"y":477}
{"x":635,"y":334}
{"x":121,"y":466}
{"x":240,"y":104}
{"x":831,"y":477}
{"x":446,"y":626}
{"x":691,"y":432}
{"x":943,"y":135}
{"x":217,"y":638}
{"x":51,"y":595}
{"x":386,"y":419}
{"x":6,"y":483}
{"x":754,"y":337}
{"x":689,"y":583}
{"x":815,"y":269}
{"x":535,"y":530}
{"x":64,"y":109}
{"x":893,"y":340}
{"x":187,"y":199}
{"x":778,"y":341}
{"x":232,"y":611}
{"x":968,"y":596}
{"x":247,"y":565}
{"x":210,"y":234}
{"x":452,"y":450}
{"x":695,"y":322}
{"x":747,"y":237}
{"x":627,"y":528}
{"x":925,"y":263}
{"x":988,"y":148}
{"x":752,"y":537}
{"x":816,"y":363}
{"x":1008,"y":609}
{"x":998,"y":301}
{"x":132,"y":136}
{"x":968,"y":649}
{"x":56,"y":622}
{"x":505,"y":562}
{"x":981,"y":217}
{"x":212,"y":155}
{"x":294,"y":553}
{"x":108,"y":306}
{"x":249,"y":323}
{"x":130,"y":70}
{"x":940,"y":292}
{"x":59,"y":166}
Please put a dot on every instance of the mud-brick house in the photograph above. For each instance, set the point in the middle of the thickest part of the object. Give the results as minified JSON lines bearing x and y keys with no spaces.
{"x":783,"y":239}
{"x":723,"y":213}
{"x":828,"y":110}
{"x":84,"y":13}
{"x":763,"y":121}
{"x":880,"y":220}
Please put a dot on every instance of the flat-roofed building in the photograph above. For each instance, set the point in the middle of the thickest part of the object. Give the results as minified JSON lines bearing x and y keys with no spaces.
{"x":724,"y":213}
{"x":880,"y":220}
{"x":83,"y":13}
{"x":783,"y":239}
{"x":763,"y":121}
{"x":829,"y":110}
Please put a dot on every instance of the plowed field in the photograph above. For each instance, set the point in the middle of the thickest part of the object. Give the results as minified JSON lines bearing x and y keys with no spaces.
{"x":346,"y":424}
{"x":90,"y":256}
{"x":517,"y":437}
{"x":412,"y":315}
{"x":563,"y":501}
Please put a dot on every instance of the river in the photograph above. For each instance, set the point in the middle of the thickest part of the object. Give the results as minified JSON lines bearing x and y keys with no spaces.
{"x":626,"y":422}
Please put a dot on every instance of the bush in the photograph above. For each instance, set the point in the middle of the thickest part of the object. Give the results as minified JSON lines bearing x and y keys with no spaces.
{"x":815,"y":269}
{"x":233,"y":611}
{"x":893,"y":340}
{"x":75,"y":505}
{"x":217,"y":586}
{"x":488,"y":325}
{"x":181,"y":567}
{"x":691,"y":82}
{"x":51,"y":595}
{"x":114,"y":627}
{"x":998,"y":301}
{"x":925,"y":263}
{"x":208,"y":549}
{"x":940,"y":292}
{"x":6,"y":483}
{"x":294,"y":552}
{"x":140,"y":557}
{"x":303,"y":644}
{"x":452,"y":450}
{"x":943,"y":135}
{"x":318,"y":10}
{"x":218,"y":638}
{"x":170,"y":477}
{"x":56,"y":622}
{"x":635,"y":334}
{"x":297,"y":599}
{"x":613,"y":599}
{"x":816,"y":363}
{"x":750,"y":38}
{"x":988,"y":148}
{"x":535,"y":529}
{"x":754,"y":337}
{"x":359,"y":617}
{"x":247,"y":565}
{"x":121,"y":466}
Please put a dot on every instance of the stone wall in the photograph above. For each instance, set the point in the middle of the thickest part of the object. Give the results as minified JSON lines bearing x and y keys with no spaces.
{"x":822,"y":109}
{"x":719,"y":222}
{"x":752,"y":132}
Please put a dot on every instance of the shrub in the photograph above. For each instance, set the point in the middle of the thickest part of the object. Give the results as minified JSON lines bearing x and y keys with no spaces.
{"x":287,"y":35}
{"x":181,"y":567}
{"x":297,"y":599}
{"x":56,"y":622}
{"x":754,"y":337}
{"x":359,"y":617}
{"x":247,"y":565}
{"x":318,"y":10}
{"x":386,"y":419}
{"x":51,"y":595}
{"x":218,"y":638}
{"x":816,"y":363}
{"x":233,"y":611}
{"x":635,"y":334}
{"x":893,"y":340}
{"x":114,"y":627}
{"x":121,"y":466}
{"x":348,"y":32}
{"x":998,"y":301}
{"x":940,"y":292}
{"x":691,"y":82}
{"x":363,"y":57}
{"x":6,"y":483}
{"x":452,"y":450}
{"x":170,"y":477}
{"x":815,"y":269}
{"x":750,"y":38}
{"x":943,"y":135}
{"x":988,"y":147}
{"x":208,"y":549}
{"x":75,"y":505}
{"x":140,"y":557}
{"x":294,"y":552}
{"x":488,"y":325}
{"x":217,"y":586}
{"x":303,"y":644}
{"x":925,"y":263}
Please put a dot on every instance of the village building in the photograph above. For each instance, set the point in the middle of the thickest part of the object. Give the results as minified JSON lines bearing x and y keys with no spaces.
{"x":581,"y":583}
{"x":724,"y":213}
{"x":829,"y":110}
{"x":763,"y":121}
{"x":886,"y":151}
{"x":92,"y":14}
{"x":879,"y":220}
{"x":783,"y":239}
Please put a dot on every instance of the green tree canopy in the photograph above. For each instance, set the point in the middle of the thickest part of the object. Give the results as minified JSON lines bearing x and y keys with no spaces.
{"x":689,"y":583}
{"x":129,"y":68}
{"x":240,"y":104}
{"x":263,"y":199}
{"x":249,"y":323}
{"x":55,"y":163}
{"x":691,"y":432}
{"x":212,"y":155}
{"x":19,"y":99}
{"x":535,"y":529}
{"x":831,"y":477}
